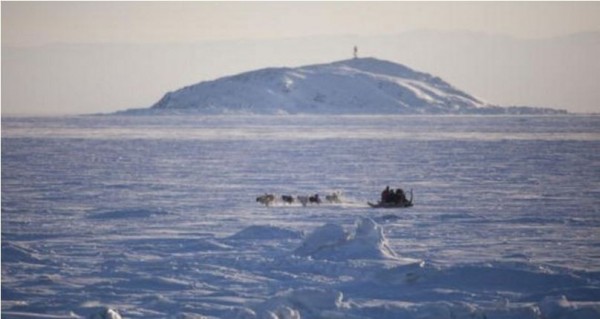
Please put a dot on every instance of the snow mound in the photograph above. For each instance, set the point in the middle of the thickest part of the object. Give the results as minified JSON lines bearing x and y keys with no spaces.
{"x":299,"y":303}
{"x":106,"y":314}
{"x":266,"y":232}
{"x":331,"y":241}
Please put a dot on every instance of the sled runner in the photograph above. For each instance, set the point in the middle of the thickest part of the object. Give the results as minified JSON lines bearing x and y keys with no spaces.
{"x":390,"y":205}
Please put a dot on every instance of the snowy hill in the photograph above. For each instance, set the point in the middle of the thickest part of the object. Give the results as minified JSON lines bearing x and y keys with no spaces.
{"x":356,"y":86}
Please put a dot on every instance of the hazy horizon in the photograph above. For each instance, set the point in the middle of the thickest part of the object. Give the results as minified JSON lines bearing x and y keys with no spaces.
{"x":96,"y":57}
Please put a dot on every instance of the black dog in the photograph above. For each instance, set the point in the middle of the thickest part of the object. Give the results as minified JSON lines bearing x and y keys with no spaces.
{"x":287,"y":199}
{"x":315,"y":199}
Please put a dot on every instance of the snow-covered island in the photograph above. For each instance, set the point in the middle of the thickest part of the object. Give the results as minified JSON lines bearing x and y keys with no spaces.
{"x":355,"y":86}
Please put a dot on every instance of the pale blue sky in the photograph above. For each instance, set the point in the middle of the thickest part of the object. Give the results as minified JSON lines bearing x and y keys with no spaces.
{"x":35,"y":23}
{"x":86,"y":57}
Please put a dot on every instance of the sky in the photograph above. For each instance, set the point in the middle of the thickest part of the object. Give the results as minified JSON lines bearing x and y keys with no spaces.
{"x":38,"y":37}
{"x":38,"y":23}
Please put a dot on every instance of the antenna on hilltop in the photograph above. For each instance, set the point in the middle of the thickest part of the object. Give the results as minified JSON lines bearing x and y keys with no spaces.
{"x":355,"y":52}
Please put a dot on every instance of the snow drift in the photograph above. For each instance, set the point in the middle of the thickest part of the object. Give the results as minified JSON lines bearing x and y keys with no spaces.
{"x":356,"y":86}
{"x":332,"y":242}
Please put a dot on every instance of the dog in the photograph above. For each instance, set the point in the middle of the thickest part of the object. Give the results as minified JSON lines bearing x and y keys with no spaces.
{"x":334,"y":197}
{"x":287,"y":199}
{"x":266,"y":199}
{"x":303,"y":200}
{"x":315,"y":199}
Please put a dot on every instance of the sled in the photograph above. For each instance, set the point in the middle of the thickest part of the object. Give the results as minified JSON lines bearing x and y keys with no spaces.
{"x":390,"y":205}
{"x":405,"y":204}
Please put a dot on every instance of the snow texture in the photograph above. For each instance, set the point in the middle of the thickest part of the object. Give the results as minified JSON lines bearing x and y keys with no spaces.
{"x":356,"y":86}
{"x":155,"y":217}
{"x":332,"y":242}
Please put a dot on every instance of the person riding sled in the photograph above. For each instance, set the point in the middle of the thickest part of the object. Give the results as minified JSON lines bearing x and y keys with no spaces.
{"x":386,"y":195}
{"x":393,"y":199}
{"x":389,"y":196}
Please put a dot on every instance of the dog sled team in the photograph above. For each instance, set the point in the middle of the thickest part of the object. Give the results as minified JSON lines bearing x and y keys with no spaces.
{"x":269,"y":199}
{"x":390,"y":198}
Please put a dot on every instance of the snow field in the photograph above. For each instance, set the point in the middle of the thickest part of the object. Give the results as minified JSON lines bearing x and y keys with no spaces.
{"x":163,"y":223}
